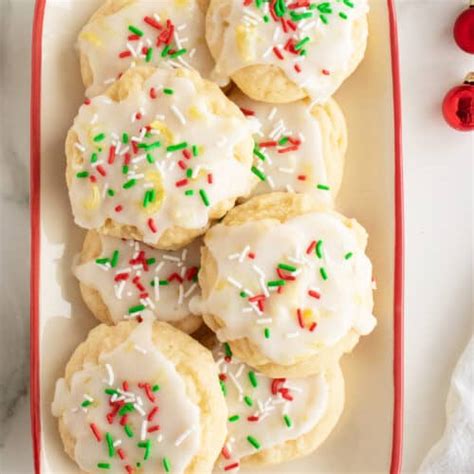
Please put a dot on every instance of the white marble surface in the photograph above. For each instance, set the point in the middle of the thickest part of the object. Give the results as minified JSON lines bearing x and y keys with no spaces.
{"x":439,"y":254}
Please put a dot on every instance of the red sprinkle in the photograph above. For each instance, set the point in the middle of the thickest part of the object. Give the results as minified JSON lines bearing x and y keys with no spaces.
{"x":121,"y":453}
{"x":191,"y":273}
{"x":311,"y":247}
{"x":255,"y":298}
{"x":247,"y":112}
{"x":120,"y":277}
{"x":302,"y":177}
{"x":284,"y":276}
{"x":297,"y":68}
{"x":252,"y":418}
{"x":175,"y":276}
{"x":181,"y":182}
{"x":300,"y":318}
{"x":210,"y":178}
{"x":111,"y":158}
{"x":118,"y":208}
{"x":222,"y":377}
{"x":123,"y":420}
{"x":125,"y":54}
{"x":225,"y":452}
{"x":101,"y":170}
{"x":153,"y":428}
{"x":285,"y":393}
{"x":96,"y":432}
{"x":152,"y":22}
{"x":125,"y":385}
{"x":313,"y":326}
{"x":251,"y":255}
{"x":276,"y":385}
{"x":153,"y":93}
{"x":129,"y":469}
{"x":187,"y":154}
{"x":152,"y":413}
{"x":288,"y":149}
{"x":87,"y":101}
{"x":92,"y":178}
{"x":182,"y":164}
{"x":133,"y":37}
{"x":267,"y":144}
{"x":152,"y":225}
{"x":148,"y":391}
{"x":314,"y":294}
{"x":231,"y":466}
{"x":277,"y":52}
{"x":325,"y":72}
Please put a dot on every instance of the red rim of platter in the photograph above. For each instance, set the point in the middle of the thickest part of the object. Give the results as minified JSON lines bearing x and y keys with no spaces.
{"x":35,"y":184}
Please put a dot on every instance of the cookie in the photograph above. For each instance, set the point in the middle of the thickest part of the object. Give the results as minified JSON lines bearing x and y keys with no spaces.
{"x":299,"y":147}
{"x":158,"y":158}
{"x":282,"y":51}
{"x":273,"y":420}
{"x":129,"y":33}
{"x":141,"y":398}
{"x":119,"y":279}
{"x":287,"y":284}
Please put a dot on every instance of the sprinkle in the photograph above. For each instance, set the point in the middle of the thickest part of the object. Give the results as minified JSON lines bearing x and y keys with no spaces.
{"x":110,"y":444}
{"x":234,"y":418}
{"x":96,"y":432}
{"x":234,"y":282}
{"x":128,"y":431}
{"x":204,"y":197}
{"x":313,"y":326}
{"x":177,"y":146}
{"x":129,"y":184}
{"x":266,"y":333}
{"x":166,"y":464}
{"x":274,"y":283}
{"x":253,"y":378}
{"x":314,"y":294}
{"x":311,"y":247}
{"x":347,"y":256}
{"x":319,"y":250}
{"x":147,"y":445}
{"x":82,"y":174}
{"x":258,"y":173}
{"x":195,"y":150}
{"x":323,"y":187}
{"x":152,"y":225}
{"x":168,"y":91}
{"x":227,"y":349}
{"x":135,"y":30}
{"x":284,"y":266}
{"x":110,"y":374}
{"x":323,"y":272}
{"x":277,"y":53}
{"x":99,"y":137}
{"x":183,"y":437}
{"x":231,"y":466}
{"x":248,"y":401}
{"x":287,"y":420}
{"x":103,"y":465}
{"x":136,"y":309}
{"x":253,"y":441}
{"x":155,"y":388}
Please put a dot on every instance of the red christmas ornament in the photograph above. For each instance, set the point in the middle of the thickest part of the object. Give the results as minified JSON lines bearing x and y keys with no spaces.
{"x":458,"y":105}
{"x":464,"y":29}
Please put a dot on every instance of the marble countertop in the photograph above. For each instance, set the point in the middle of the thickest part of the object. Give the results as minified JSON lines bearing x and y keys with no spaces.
{"x":438,"y":194}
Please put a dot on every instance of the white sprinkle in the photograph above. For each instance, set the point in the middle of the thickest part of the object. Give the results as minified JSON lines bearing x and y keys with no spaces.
{"x":264,"y":287}
{"x":171,"y":258}
{"x":156,"y":287}
{"x":183,"y":437}
{"x":267,"y":52}
{"x":159,"y":267}
{"x":190,"y":290}
{"x":244,"y":253}
{"x":80,"y":147}
{"x":184,"y":254}
{"x":143,"y":430}
{"x":235,"y":382}
{"x":192,"y":53}
{"x":110,"y":374}
{"x":178,"y":114}
{"x":139,"y":409}
{"x":258,"y":270}
{"x":234,"y":282}
{"x":117,"y":442}
{"x":159,"y":438}
{"x":88,"y":398}
{"x":270,"y":181}
{"x":139,"y":349}
{"x":272,"y":113}
{"x":94,"y":119}
{"x":180,"y":295}
{"x":234,"y":256}
{"x":241,"y":369}
{"x":264,"y":321}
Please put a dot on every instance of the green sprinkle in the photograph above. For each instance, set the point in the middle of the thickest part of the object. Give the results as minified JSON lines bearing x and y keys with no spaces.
{"x":189,"y":173}
{"x":274,"y":283}
{"x":324,"y":19}
{"x":125,"y":138}
{"x":178,"y":53}
{"x":147,"y":445}
{"x":324,"y":187}
{"x":82,"y":174}
{"x":348,"y":3}
{"x":283,"y":141}
{"x":258,"y":173}
{"x":101,"y":261}
{"x":258,"y":153}
{"x":115,"y":258}
{"x":164,"y":282}
{"x":227,"y":349}
{"x":189,"y":192}
{"x":151,"y":261}
{"x":86,"y":403}
{"x":204,"y":197}
{"x":111,"y":192}
{"x":234,"y":418}
{"x":243,"y":294}
{"x":135,"y":30}
{"x":253,"y":441}
{"x":130,"y":183}
{"x":166,"y":464}
{"x":149,"y":197}
{"x":136,"y":309}
{"x":94,"y":157}
{"x":110,"y":444}
{"x":287,"y":420}
{"x":177,"y":146}
{"x":301,"y":43}
{"x":125,"y":169}
{"x":319,"y":249}
{"x":149,"y":54}
{"x":323,"y":272}
{"x":248,"y":401}
{"x":165,"y":51}
{"x":99,"y":137}
{"x":349,"y":255}
{"x":266,"y":333}
{"x":266,"y":19}
{"x":127,"y":408}
{"x":300,"y":16}
{"x":110,"y":391}
{"x":253,"y":378}
{"x":223,"y":388}
{"x":103,"y":465}
{"x":195,"y":150}
{"x":128,"y":431}
{"x":155,"y":388}
{"x":168,"y":91}
{"x":324,"y":7}
{"x":285,"y":266}
{"x":343,"y":15}
{"x":150,"y":158}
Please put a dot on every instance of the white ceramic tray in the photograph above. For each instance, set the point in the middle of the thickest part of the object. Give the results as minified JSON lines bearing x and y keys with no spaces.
{"x":368,"y":436}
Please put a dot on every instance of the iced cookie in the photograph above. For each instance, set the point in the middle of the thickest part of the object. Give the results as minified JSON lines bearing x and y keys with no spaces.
{"x":286,"y":284}
{"x":129,"y":33}
{"x":283,"y":50}
{"x":273,"y":420}
{"x":119,"y":279}
{"x":299,"y":147}
{"x":158,"y":158}
{"x":141,"y":398}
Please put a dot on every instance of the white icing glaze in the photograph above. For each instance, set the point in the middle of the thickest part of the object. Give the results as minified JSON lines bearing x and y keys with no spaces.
{"x":339,"y":281}
{"x":135,"y":361}
{"x":183,"y":118}
{"x":272,"y":411}
{"x":293,"y":166}
{"x":104,"y":41}
{"x":249,"y":40}
{"x":142,"y":278}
